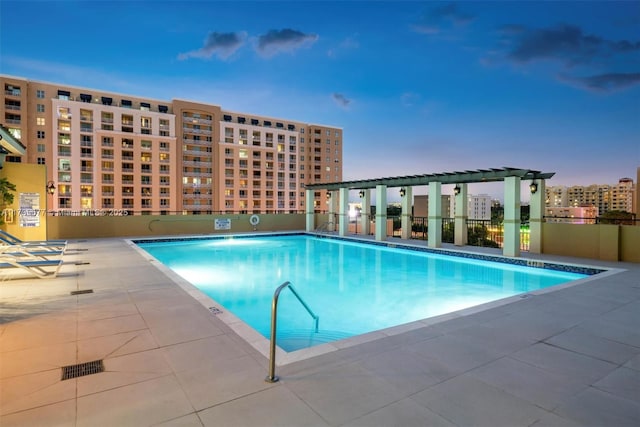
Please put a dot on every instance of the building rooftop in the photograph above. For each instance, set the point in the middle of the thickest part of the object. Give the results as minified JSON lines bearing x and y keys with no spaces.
{"x":565,"y":357}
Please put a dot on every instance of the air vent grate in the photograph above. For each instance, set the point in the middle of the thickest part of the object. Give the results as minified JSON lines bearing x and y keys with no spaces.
{"x":82,"y":369}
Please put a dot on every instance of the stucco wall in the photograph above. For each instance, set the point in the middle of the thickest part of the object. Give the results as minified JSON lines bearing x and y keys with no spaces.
{"x":594,"y":241}
{"x":76,"y":227}
{"x":28,"y":179}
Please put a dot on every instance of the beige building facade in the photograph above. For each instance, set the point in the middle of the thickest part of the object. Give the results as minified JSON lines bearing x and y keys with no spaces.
{"x":115,"y":154}
{"x":604,"y":197}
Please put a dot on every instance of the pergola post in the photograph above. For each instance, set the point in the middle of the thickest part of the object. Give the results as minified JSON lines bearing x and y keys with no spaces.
{"x":381,"y":212}
{"x":435,"y":215}
{"x":331,"y":208}
{"x":511,"y":216}
{"x":309,"y":210}
{"x":405,"y":221}
{"x":536,"y":215}
{"x":365,"y":213}
{"x":461,"y":215}
{"x":343,"y":221}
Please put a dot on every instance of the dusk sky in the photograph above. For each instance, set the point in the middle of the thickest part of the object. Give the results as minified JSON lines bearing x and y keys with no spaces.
{"x":418,"y":87}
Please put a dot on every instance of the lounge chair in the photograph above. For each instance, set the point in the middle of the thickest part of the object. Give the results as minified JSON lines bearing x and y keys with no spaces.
{"x":30,"y":252}
{"x":40,"y":244}
{"x":40,"y":268}
{"x":10,"y":238}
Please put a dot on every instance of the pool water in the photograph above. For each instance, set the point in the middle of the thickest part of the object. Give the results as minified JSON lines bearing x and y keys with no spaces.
{"x":353,"y":287}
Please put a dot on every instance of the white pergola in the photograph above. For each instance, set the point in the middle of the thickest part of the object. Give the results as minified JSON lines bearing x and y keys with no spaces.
{"x":512,"y":177}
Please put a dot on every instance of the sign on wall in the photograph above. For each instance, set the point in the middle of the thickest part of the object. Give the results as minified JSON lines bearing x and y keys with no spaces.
{"x":222,"y":224}
{"x":29,"y":211}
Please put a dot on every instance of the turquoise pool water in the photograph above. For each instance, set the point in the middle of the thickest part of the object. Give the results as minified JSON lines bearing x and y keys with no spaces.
{"x":353,"y":287}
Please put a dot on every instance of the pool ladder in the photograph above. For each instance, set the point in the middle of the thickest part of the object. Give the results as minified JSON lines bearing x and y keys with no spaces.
{"x":272,"y":378}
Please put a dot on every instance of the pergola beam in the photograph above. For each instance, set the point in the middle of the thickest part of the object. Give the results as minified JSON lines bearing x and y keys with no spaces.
{"x":466,"y":177}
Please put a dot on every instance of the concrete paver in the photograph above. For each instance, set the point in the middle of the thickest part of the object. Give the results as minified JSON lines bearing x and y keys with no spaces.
{"x":563,"y":358}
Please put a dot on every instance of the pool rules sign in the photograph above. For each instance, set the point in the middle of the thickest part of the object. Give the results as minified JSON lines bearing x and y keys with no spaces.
{"x":222,"y":224}
{"x":29,"y":212}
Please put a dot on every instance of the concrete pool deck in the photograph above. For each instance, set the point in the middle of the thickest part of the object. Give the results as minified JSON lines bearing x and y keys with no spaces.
{"x":564,"y":358}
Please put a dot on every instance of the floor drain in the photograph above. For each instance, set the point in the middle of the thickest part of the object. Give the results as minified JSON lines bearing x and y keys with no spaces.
{"x":83,"y":291}
{"x":82,"y":369}
{"x":215,"y":310}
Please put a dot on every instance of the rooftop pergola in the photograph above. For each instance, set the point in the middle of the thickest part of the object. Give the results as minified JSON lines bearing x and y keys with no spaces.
{"x":338,"y":195}
{"x":465,"y":177}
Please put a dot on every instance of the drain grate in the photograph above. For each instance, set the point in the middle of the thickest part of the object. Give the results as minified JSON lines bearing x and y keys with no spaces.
{"x":83,"y":291}
{"x":82,"y":369}
{"x":82,"y":263}
{"x":215,"y":310}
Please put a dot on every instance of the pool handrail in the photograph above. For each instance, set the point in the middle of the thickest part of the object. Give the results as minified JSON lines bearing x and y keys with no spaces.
{"x":272,"y":378}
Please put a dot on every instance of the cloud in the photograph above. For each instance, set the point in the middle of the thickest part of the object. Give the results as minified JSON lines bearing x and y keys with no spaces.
{"x":603,"y":61}
{"x":221,"y":44}
{"x":437,"y":19}
{"x":286,"y":40}
{"x":565,"y":43}
{"x":341,"y":100}
{"x":350,"y":43}
{"x":604,"y":82}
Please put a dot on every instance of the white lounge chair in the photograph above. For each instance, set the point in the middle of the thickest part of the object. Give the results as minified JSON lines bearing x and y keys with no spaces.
{"x":38,"y":267}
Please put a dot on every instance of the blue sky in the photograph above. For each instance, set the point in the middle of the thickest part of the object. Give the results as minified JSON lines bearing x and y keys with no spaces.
{"x":418,"y":87}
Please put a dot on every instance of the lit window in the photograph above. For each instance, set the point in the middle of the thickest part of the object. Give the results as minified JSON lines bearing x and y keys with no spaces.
{"x":40,"y":121}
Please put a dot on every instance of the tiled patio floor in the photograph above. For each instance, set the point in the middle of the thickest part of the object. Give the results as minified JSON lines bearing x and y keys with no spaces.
{"x":564,"y":358}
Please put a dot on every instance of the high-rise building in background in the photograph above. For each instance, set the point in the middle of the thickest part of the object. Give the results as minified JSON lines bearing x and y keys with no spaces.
{"x":604,"y":197}
{"x":108,"y":151}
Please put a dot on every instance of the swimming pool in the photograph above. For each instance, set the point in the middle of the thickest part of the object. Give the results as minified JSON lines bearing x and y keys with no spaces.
{"x":353,"y":287}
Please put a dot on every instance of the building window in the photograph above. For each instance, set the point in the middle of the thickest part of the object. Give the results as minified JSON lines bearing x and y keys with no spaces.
{"x":40,"y":121}
{"x":40,"y":108}
{"x":40,"y":94}
{"x":40,"y":134}
{"x":41,"y":160}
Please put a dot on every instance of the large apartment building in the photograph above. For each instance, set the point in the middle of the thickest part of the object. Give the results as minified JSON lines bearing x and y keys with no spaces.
{"x":604,"y":197}
{"x":108,"y":152}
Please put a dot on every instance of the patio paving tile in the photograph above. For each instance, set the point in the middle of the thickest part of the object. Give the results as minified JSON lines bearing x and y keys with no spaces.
{"x":404,"y":413}
{"x":528,"y":382}
{"x":597,"y":408}
{"x":275,"y":406}
{"x":467,"y":401}
{"x":564,"y":362}
{"x":343,"y":393}
{"x":141,"y":404}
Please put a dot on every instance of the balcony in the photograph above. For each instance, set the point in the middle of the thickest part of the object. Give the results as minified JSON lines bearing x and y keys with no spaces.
{"x":194,"y":163}
{"x":191,"y":141}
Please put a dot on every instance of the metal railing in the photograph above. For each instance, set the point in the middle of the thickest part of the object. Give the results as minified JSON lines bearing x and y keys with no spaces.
{"x":272,"y":378}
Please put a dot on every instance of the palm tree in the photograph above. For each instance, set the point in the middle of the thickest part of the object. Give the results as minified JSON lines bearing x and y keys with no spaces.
{"x":6,"y":195}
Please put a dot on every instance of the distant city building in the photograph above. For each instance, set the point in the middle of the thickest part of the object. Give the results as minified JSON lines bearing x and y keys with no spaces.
{"x":619,"y":197}
{"x":108,"y":151}
{"x":421,"y":206}
{"x":478,"y":206}
{"x":572,"y":214}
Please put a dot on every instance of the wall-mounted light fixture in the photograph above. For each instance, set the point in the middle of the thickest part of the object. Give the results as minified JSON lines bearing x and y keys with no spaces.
{"x":402,"y":192}
{"x":533,"y":187}
{"x":456,"y":190}
{"x":361,"y":194}
{"x":51,"y":187}
{"x":328,"y":195}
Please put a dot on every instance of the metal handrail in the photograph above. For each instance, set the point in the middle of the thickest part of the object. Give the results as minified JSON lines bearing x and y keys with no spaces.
{"x":272,"y":378}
